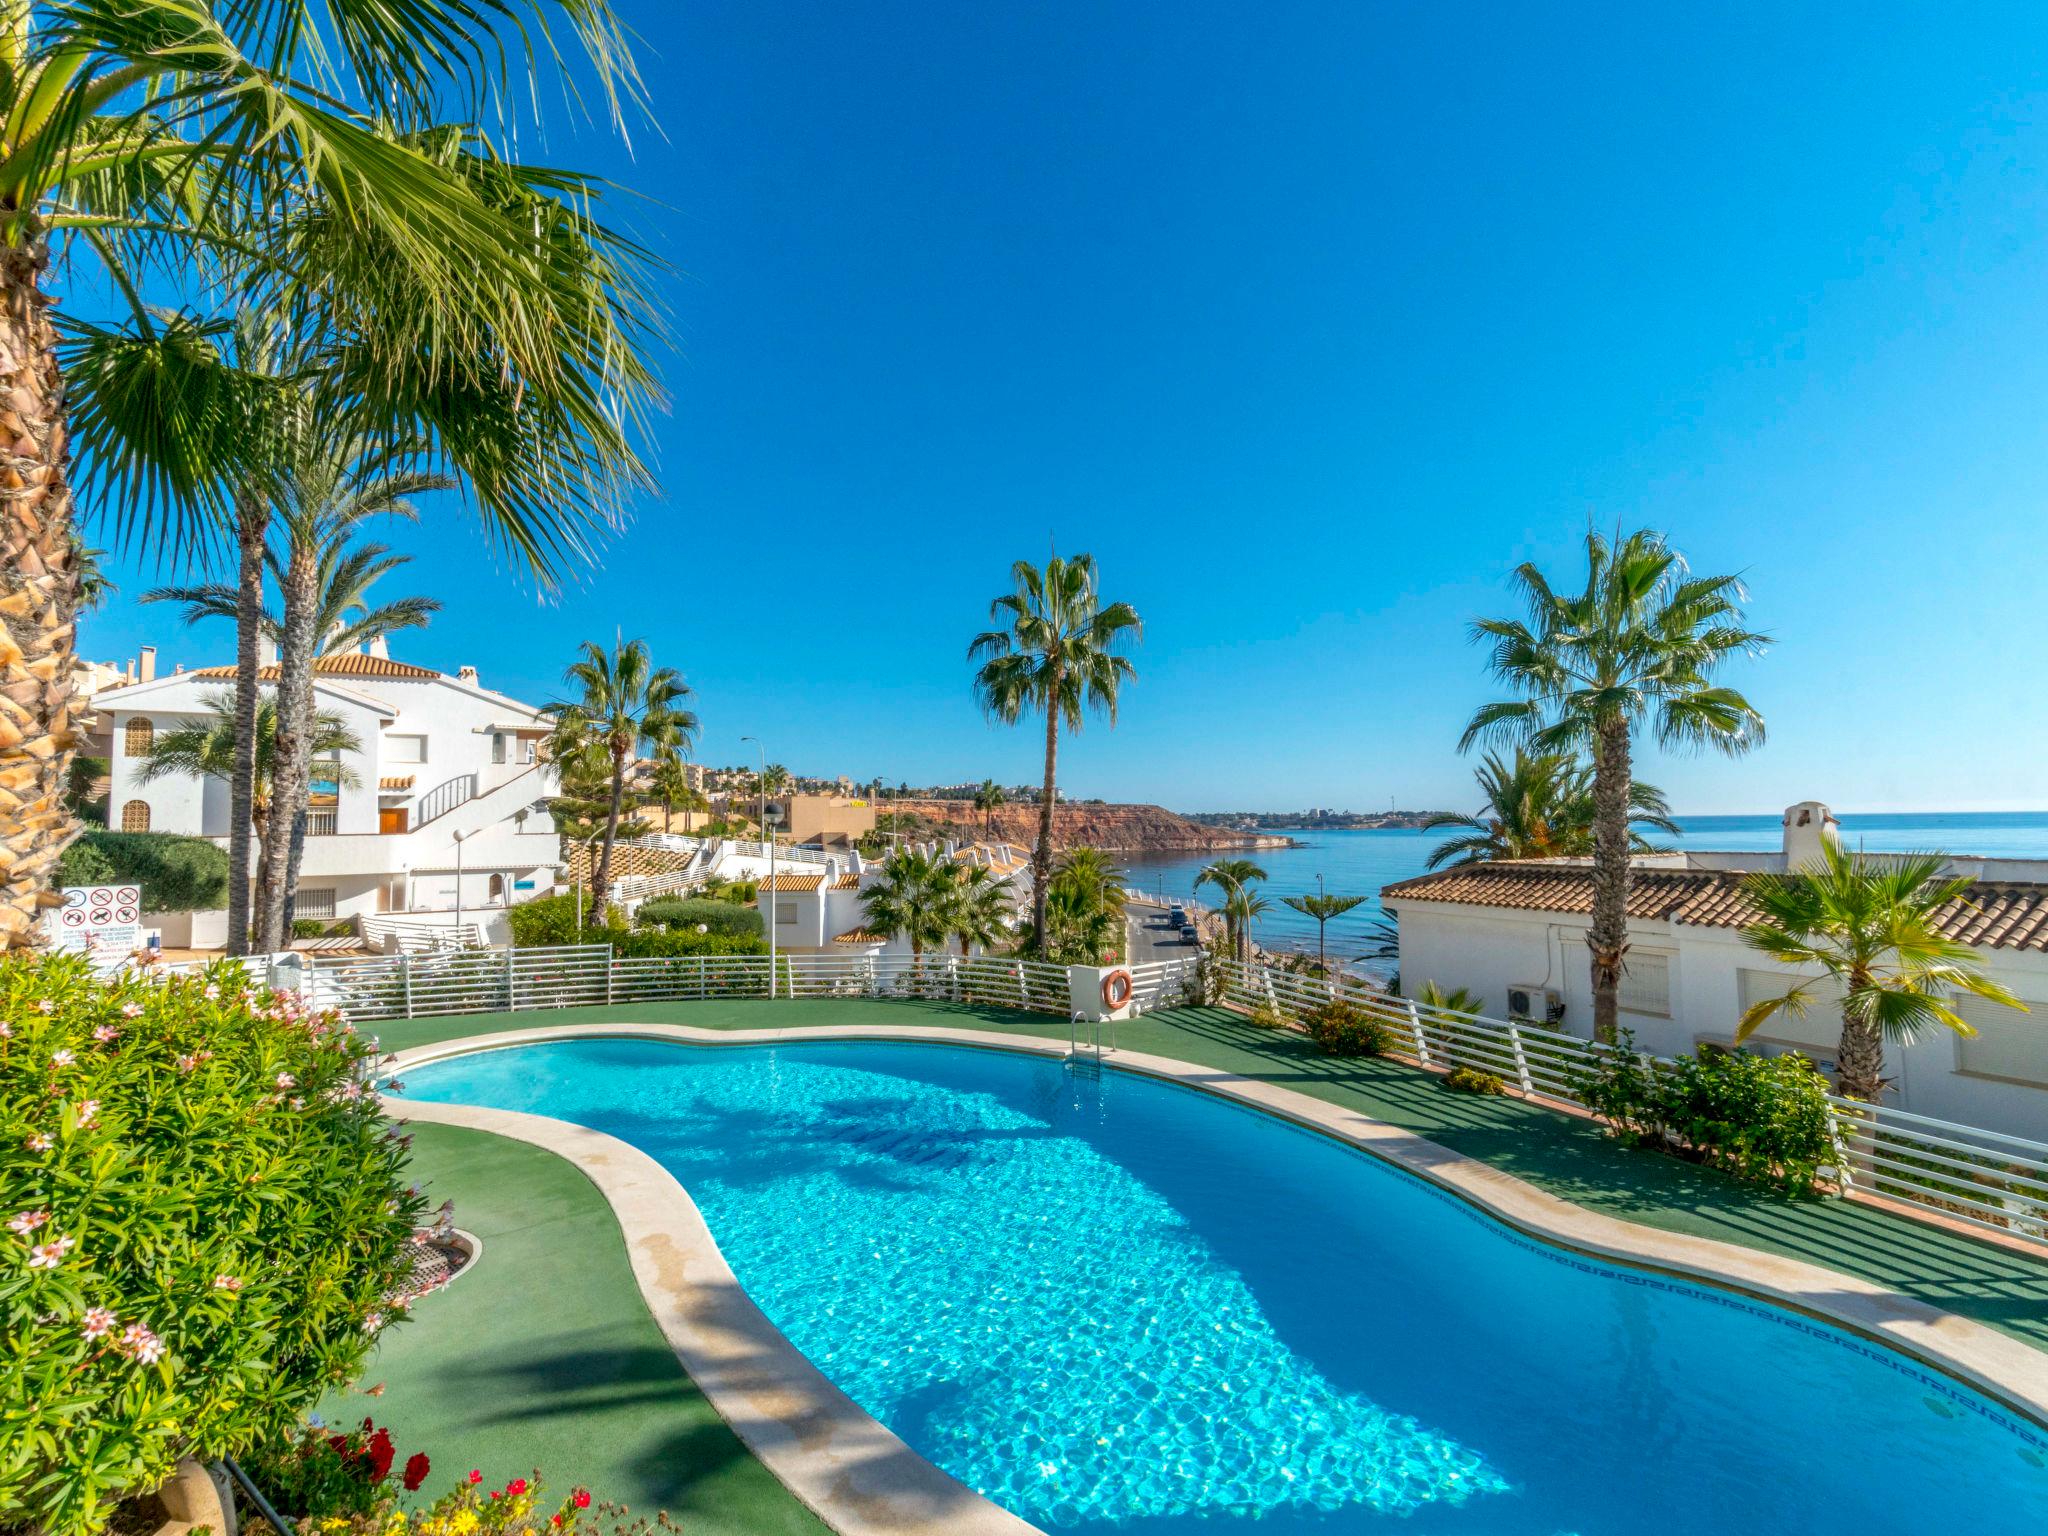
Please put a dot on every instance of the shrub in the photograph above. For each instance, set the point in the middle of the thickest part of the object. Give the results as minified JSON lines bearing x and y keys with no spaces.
{"x":177,"y":874}
{"x":1342,"y":1029}
{"x":322,"y":1474}
{"x":718,"y":916}
{"x":1764,"y":1119}
{"x":470,"y":1509}
{"x":206,"y":1227}
{"x":1472,"y":1080}
{"x":1266,"y":1016}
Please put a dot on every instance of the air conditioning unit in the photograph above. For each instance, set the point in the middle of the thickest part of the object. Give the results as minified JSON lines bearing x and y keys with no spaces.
{"x":1540,"y":1005}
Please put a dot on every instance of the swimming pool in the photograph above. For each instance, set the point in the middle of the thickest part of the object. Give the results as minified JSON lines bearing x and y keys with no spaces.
{"x":1113,"y":1304}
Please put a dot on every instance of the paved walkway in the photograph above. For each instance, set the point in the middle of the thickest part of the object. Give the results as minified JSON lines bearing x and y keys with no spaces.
{"x":582,"y":1385}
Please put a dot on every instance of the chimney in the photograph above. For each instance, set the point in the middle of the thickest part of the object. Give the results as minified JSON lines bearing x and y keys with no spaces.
{"x":380,"y":648}
{"x":149,"y":663}
{"x":466,"y":675}
{"x":178,"y":670}
{"x":128,"y":670}
{"x":1808,"y":825}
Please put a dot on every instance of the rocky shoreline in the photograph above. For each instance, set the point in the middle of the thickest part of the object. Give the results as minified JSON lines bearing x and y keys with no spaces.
{"x":1117,"y":828}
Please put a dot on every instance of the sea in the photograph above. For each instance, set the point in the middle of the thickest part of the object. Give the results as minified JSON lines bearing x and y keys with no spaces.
{"x":1360,"y":863}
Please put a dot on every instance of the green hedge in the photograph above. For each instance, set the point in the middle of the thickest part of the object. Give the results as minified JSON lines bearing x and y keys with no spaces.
{"x":687,"y":913}
{"x":552,"y":920}
{"x":177,"y":874}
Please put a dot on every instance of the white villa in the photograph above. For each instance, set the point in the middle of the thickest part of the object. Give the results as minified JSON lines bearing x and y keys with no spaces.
{"x":817,"y":907}
{"x":1513,"y":934}
{"x":444,"y":810}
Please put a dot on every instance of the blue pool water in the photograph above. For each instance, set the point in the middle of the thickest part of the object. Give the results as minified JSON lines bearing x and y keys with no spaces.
{"x":1112,"y":1304}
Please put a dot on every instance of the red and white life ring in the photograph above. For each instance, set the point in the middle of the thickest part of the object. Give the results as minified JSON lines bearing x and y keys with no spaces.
{"x":1116,"y":988}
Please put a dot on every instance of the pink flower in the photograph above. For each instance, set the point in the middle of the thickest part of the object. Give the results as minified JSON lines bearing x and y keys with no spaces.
{"x":47,"y":1255}
{"x":87,"y":1109}
{"x":25,"y":1222}
{"x":44,"y":1005}
{"x":373,"y":1322}
{"x":106,"y":1034}
{"x":40,"y":1142}
{"x":60,"y":1058}
{"x":6,"y":1030}
{"x":131,"y":1010}
{"x":98,"y":1323}
{"x":211,"y":993}
{"x":286,"y":1080}
{"x":140,"y":1345}
{"x":227,"y":1283}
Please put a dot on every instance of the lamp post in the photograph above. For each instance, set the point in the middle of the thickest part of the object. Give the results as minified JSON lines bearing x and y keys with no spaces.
{"x":769,"y":914}
{"x":458,"y":879}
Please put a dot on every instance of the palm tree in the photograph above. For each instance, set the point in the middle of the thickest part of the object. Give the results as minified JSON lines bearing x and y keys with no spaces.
{"x":1230,"y":876}
{"x":626,"y":701}
{"x":208,"y":750}
{"x":1243,"y":907}
{"x":1457,"y":1000}
{"x":287,"y":156}
{"x":1874,"y":926}
{"x":914,"y":898}
{"x":670,"y":784}
{"x":980,"y":910}
{"x":988,"y":799}
{"x":346,"y":616}
{"x":1638,"y":646}
{"x":1322,"y":908}
{"x":1079,"y":929}
{"x":1540,"y":806}
{"x":1059,"y":652}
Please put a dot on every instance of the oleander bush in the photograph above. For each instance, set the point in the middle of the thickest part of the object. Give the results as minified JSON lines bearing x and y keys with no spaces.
{"x":1473,"y":1080}
{"x":206,"y":1227}
{"x":1763,"y":1119}
{"x":686,"y":914}
{"x":1343,"y":1029}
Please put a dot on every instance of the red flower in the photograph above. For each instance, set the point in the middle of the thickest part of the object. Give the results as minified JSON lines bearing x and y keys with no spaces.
{"x":516,"y":1487}
{"x":497,"y":1493}
{"x":475,"y":1476}
{"x":415,"y":1471}
{"x":581,"y":1498}
{"x":554,"y":1519}
{"x":378,"y":1455}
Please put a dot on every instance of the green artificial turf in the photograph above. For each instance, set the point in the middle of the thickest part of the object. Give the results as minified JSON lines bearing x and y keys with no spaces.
{"x":545,"y":1356}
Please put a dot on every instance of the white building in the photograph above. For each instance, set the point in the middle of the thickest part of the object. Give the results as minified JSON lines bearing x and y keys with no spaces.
{"x":1514,"y":935}
{"x":817,"y":908}
{"x":447,"y":779}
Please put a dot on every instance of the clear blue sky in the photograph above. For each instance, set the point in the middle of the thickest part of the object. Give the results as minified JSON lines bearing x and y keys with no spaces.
{"x":1310,"y":321}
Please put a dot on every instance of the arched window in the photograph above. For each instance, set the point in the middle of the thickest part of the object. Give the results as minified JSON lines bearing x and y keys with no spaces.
{"x":140,"y":736}
{"x":135,"y":814}
{"x":497,"y":897}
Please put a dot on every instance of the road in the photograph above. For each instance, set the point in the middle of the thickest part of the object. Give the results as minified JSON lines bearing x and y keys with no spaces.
{"x":1150,"y":937}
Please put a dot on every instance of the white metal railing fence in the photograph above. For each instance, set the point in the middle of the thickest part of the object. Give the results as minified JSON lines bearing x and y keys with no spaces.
{"x":1982,"y":1178}
{"x":672,"y":882}
{"x":667,"y":842}
{"x":412,"y":934}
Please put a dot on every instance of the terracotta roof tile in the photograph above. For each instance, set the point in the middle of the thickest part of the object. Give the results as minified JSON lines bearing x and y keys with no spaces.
{"x":845,"y":883}
{"x":861,"y":936}
{"x":793,"y":883}
{"x":347,"y":664}
{"x":1993,"y":915}
{"x":396,"y":782}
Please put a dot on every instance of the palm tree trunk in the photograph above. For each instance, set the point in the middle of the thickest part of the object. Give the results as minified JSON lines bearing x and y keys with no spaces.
{"x":291,"y":768}
{"x":1859,"y":1060}
{"x":38,"y":599}
{"x":1607,"y":938}
{"x":1041,"y":856}
{"x":252,"y":523}
{"x":602,"y":895}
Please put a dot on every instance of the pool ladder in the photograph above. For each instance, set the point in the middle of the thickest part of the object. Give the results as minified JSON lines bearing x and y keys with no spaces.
{"x":1084,"y":1041}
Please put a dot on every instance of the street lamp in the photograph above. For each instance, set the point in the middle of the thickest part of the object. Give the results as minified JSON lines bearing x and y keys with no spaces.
{"x":769,"y":913}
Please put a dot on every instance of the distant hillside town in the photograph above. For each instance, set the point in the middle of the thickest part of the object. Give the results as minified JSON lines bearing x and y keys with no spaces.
{"x":1312,"y":820}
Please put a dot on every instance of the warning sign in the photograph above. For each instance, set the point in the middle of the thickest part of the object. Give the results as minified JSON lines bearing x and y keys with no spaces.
{"x":103,"y":920}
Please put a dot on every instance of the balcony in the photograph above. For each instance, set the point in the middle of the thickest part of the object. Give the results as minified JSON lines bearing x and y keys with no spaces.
{"x":321,"y":823}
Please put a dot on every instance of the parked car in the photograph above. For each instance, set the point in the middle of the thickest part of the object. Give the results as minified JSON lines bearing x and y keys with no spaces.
{"x":1177,"y":917}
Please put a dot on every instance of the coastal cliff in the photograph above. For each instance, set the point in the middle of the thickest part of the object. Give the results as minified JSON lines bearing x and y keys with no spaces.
{"x":1127,"y":828}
